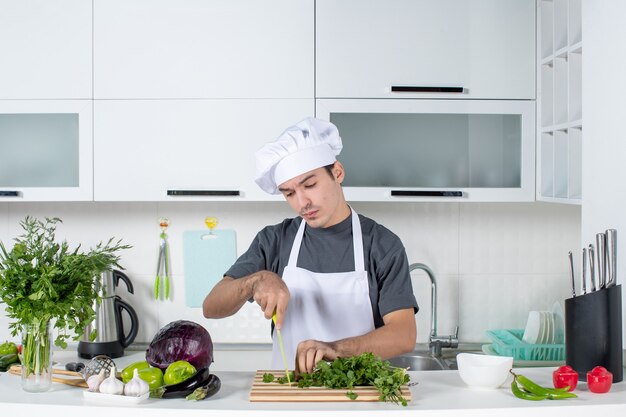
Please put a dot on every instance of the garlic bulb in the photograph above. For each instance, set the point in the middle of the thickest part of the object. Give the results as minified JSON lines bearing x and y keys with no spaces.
{"x":112,"y":385}
{"x":94,"y":381}
{"x":136,"y":387}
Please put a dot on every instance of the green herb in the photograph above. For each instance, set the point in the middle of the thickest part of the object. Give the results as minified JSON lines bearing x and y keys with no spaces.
{"x":45,"y":283}
{"x":285,"y":380}
{"x":364,"y":369}
{"x":267,"y":378}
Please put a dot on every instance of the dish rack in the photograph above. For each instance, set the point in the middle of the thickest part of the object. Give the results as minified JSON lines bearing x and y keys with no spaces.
{"x":508,"y":342}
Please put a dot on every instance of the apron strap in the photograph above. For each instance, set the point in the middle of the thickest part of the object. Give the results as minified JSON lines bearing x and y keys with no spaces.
{"x":357,"y":243}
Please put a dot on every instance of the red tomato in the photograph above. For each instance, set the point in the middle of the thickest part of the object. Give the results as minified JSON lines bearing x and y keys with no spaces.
{"x":565,"y":376}
{"x":599,"y":380}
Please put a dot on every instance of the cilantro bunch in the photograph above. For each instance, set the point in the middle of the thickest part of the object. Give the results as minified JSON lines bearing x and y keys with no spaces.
{"x":357,"y":370}
{"x":42,"y":281}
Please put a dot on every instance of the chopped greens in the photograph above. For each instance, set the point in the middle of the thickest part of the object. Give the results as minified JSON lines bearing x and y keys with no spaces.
{"x":347,"y":373}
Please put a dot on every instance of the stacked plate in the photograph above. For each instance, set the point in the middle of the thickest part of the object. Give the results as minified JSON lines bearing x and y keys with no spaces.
{"x":540,"y":328}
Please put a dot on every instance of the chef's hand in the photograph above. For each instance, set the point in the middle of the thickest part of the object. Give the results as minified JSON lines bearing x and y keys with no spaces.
{"x":310,"y":352}
{"x":271,"y":293}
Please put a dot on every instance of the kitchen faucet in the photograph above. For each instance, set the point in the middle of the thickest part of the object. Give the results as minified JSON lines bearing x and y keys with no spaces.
{"x":435,"y":342}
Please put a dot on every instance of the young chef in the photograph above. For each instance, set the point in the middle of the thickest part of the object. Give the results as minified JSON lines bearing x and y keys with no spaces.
{"x":338,"y":281}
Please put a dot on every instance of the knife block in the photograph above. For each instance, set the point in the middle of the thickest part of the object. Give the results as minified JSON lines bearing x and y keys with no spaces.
{"x":593,"y":332}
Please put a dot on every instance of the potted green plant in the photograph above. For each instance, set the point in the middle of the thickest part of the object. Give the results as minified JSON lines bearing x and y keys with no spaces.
{"x":46,"y":286}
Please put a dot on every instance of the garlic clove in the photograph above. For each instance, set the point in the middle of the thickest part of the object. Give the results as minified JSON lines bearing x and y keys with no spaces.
{"x":112,"y":385}
{"x":94,"y":381}
{"x":136,"y":387}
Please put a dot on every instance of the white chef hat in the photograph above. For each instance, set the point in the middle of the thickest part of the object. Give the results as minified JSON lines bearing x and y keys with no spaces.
{"x":308,"y":145}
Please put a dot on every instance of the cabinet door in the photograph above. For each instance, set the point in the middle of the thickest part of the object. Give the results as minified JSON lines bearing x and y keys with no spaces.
{"x":203,"y":48}
{"x":46,"y":150}
{"x":429,"y":150}
{"x":197,"y":150}
{"x":484,"y":47}
{"x":45,"y":49}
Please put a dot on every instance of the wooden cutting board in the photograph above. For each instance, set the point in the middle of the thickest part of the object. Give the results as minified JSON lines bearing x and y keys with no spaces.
{"x":275,"y":392}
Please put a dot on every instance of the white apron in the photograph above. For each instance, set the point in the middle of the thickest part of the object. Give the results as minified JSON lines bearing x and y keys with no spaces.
{"x":324,"y":307}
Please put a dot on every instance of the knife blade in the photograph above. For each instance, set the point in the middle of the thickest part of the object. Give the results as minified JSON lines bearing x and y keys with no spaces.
{"x":282,"y":349}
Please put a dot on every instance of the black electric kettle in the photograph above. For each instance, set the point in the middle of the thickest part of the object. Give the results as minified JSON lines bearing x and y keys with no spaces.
{"x":110,"y":339}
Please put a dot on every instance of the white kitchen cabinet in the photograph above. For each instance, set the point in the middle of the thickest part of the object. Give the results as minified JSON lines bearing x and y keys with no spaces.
{"x":435,"y":150}
{"x":185,"y":150}
{"x":45,"y":49}
{"x":484,"y":48}
{"x":559,"y":101}
{"x":46,"y":150}
{"x":203,"y":49}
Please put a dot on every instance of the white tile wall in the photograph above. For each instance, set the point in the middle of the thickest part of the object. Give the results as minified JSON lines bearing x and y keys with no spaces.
{"x":494,"y":262}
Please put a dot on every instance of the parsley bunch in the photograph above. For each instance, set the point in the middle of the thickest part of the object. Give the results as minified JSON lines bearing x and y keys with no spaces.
{"x":42,"y":281}
{"x":347,"y":373}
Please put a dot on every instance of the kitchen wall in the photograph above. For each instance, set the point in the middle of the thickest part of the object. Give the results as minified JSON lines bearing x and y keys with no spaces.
{"x":494,"y":261}
{"x":604,"y":88}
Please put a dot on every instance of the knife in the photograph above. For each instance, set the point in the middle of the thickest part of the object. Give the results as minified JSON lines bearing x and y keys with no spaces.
{"x":601,"y":264}
{"x":592,"y":269}
{"x":583,"y":284}
{"x":571,"y":272}
{"x":282,"y":349}
{"x":611,"y":254}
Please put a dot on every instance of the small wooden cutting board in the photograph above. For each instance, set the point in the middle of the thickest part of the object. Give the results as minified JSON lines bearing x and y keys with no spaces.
{"x":275,"y":392}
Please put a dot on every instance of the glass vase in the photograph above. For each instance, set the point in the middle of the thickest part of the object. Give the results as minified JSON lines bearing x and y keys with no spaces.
{"x":36,"y":357}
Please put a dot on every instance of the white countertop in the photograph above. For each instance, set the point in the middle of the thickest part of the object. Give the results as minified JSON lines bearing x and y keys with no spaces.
{"x":440,"y":393}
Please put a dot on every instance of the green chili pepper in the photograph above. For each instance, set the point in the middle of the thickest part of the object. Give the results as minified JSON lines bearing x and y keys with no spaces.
{"x":525,"y":395}
{"x":551,"y":393}
{"x":533,"y":391}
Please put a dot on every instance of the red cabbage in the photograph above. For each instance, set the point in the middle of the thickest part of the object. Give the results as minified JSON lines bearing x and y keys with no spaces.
{"x":181,"y":340}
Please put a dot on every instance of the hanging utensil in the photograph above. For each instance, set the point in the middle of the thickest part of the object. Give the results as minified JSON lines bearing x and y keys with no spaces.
{"x":163,"y":264}
{"x":611,"y":252}
{"x":571,"y":272}
{"x":592,"y":268}
{"x":601,"y":254}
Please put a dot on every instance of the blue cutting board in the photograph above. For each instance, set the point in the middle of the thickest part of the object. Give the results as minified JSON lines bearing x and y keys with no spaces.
{"x":205,"y":261}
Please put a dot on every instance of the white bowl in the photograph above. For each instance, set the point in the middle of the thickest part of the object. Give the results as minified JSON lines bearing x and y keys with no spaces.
{"x":483,"y":371}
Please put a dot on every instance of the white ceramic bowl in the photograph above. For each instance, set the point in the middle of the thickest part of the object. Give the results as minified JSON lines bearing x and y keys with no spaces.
{"x":483,"y":371}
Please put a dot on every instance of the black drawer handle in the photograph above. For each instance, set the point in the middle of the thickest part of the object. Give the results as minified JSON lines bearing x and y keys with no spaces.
{"x":408,"y":193}
{"x":213,"y":193}
{"x":424,"y":89}
{"x":9,"y":193}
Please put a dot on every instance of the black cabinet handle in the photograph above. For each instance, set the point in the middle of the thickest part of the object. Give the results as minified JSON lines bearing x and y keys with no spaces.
{"x":212,"y":193}
{"x":9,"y":193}
{"x":424,"y":89}
{"x":409,"y":193}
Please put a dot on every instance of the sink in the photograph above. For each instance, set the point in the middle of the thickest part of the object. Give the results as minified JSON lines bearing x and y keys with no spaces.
{"x":422,"y":360}
{"x":419,"y":362}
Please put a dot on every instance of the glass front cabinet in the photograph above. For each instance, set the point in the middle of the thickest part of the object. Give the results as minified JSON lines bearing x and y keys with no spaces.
{"x":435,"y":150}
{"x":46,"y":150}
